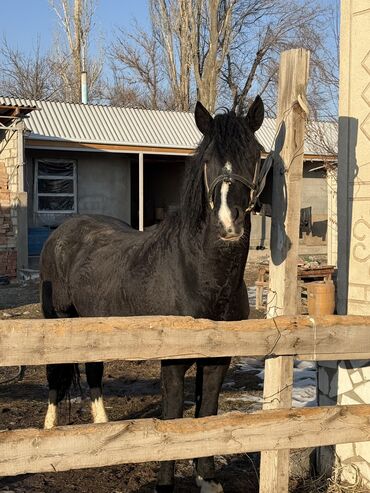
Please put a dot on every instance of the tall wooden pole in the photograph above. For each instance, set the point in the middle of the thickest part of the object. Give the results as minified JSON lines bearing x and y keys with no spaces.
{"x":286,"y":206}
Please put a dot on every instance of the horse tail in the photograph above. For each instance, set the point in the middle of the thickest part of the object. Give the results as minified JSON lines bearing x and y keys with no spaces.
{"x":46,"y":292}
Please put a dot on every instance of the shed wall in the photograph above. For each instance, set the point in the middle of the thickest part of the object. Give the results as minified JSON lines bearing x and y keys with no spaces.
{"x":8,"y":202}
{"x":103,"y":186}
{"x":314,"y":196}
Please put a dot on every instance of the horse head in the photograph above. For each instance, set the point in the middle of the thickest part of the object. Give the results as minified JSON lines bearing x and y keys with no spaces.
{"x":230,"y":155}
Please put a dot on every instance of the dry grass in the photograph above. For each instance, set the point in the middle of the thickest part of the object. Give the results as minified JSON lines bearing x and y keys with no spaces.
{"x":324,"y":485}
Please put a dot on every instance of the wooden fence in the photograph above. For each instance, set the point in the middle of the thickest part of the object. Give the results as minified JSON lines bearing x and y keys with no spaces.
{"x":38,"y":342}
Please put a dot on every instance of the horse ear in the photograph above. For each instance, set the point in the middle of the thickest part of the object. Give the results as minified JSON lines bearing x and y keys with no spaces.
{"x":255,"y":114}
{"x":203,"y":119}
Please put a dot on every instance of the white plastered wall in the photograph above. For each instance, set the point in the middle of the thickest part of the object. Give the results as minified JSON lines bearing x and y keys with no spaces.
{"x":354,"y":212}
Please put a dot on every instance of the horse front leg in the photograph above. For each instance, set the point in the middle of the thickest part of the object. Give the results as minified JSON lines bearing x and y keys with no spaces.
{"x":209,"y":379}
{"x":94,"y":376}
{"x":172,"y":387}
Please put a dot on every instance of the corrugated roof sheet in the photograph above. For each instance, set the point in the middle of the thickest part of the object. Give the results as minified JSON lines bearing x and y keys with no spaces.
{"x":24,"y":103}
{"x":101,"y":124}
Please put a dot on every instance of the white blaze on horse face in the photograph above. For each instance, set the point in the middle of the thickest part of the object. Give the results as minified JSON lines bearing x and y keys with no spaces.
{"x":97,"y":406}
{"x":51,"y":418}
{"x":224,"y":212}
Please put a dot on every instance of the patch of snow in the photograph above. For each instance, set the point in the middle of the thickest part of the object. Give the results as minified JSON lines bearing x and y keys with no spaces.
{"x":252,"y":295}
{"x":304,"y":380}
{"x":29,"y":275}
{"x":305,"y":384}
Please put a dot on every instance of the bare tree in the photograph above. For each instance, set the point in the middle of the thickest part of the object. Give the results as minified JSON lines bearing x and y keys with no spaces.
{"x":71,"y":55}
{"x":182,"y":55}
{"x":265,"y":29}
{"x":119,"y":92}
{"x":194,"y":36}
{"x":137,"y":65}
{"x":324,"y":88}
{"x":171,"y":31}
{"x":29,"y":76}
{"x":211,"y":37}
{"x":325,"y":69}
{"x":217,"y":50}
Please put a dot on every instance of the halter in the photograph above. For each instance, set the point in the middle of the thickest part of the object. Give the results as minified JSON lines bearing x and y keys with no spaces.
{"x":256,"y":186}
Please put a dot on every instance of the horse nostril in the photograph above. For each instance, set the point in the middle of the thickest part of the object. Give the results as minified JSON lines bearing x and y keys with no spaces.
{"x":237,"y":213}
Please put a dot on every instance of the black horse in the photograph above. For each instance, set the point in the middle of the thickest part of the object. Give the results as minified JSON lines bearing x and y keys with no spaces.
{"x":191,"y":264}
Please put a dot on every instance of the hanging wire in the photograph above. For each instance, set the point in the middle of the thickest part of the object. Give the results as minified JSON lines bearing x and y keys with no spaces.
{"x":19,"y":376}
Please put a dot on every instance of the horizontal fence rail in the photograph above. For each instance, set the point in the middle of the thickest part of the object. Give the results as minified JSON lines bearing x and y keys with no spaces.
{"x":146,"y":440}
{"x":75,"y":340}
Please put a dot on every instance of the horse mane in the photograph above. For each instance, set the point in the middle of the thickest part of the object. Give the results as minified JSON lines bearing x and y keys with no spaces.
{"x":232,"y":140}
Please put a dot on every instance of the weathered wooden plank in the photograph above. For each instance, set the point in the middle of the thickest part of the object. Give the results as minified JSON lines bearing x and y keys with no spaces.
{"x":277,"y":394}
{"x":82,"y":446}
{"x":286,"y":206}
{"x":39,"y":342}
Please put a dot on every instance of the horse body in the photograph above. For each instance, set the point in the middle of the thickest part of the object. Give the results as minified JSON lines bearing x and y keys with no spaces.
{"x":191,"y":264}
{"x":102,"y":268}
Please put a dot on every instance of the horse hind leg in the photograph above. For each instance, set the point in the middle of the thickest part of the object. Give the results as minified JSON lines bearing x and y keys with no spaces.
{"x":94,"y":375}
{"x":59,"y":376}
{"x":51,"y":417}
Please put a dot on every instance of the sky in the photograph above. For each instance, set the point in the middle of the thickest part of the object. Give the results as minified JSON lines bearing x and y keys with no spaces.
{"x":23,"y":22}
{"x":26,"y":22}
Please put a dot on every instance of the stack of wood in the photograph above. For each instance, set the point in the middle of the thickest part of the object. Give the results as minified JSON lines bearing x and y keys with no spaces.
{"x":307,"y":272}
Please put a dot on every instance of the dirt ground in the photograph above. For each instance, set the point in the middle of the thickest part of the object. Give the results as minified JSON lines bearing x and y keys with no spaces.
{"x":131,"y":390}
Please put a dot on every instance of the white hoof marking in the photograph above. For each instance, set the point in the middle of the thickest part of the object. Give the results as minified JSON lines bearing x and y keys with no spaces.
{"x":208,"y":486}
{"x":51,"y":418}
{"x":97,"y":406}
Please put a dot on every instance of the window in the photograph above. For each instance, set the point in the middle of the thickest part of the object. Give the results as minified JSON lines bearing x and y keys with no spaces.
{"x":55,"y":186}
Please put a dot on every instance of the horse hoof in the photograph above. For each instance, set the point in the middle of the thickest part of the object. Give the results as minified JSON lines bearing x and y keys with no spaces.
{"x":168,"y":488}
{"x":208,"y":485}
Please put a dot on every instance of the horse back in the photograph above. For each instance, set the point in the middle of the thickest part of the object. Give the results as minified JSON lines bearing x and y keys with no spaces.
{"x":71,"y":247}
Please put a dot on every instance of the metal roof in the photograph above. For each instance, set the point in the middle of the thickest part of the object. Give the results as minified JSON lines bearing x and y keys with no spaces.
{"x":11,"y":110}
{"x":14,"y":102}
{"x":100,"y":124}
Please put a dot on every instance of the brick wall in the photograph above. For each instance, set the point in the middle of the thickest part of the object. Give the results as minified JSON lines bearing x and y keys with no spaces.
{"x":8,"y":203}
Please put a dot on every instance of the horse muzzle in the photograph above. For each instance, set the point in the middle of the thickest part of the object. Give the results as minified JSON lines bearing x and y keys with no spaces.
{"x":232,"y":233}
{"x":231,"y":225}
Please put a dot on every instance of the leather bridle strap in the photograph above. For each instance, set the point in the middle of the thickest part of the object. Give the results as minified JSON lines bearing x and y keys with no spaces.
{"x":256,"y":187}
{"x":226,"y":177}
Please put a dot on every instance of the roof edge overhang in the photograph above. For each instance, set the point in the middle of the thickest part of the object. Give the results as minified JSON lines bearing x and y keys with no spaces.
{"x":11,"y":113}
{"x":70,"y":145}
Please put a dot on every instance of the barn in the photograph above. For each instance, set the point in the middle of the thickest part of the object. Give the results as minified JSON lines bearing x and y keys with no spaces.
{"x":58,"y":158}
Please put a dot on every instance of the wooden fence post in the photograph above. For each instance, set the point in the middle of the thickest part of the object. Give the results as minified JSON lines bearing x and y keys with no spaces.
{"x":286,"y":206}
